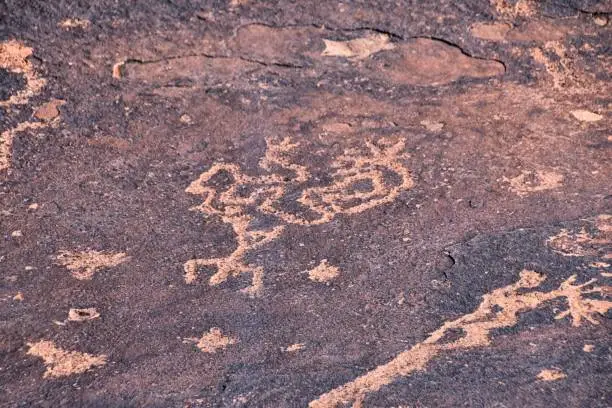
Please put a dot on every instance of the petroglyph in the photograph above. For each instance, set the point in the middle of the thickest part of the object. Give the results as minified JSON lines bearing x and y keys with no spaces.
{"x":6,"y":140}
{"x":84,"y":265}
{"x":74,"y":23}
{"x":534,"y":181}
{"x":522,"y":8}
{"x":600,"y":20}
{"x":81,"y":315}
{"x":61,"y":363}
{"x":499,"y":308}
{"x":358,"y":48}
{"x":294,"y":347}
{"x":117,"y":70}
{"x":583,"y":242}
{"x":213,"y":341}
{"x":552,"y":374}
{"x":599,"y":265}
{"x":323,"y":272}
{"x":360,"y":180}
{"x":571,"y":244}
{"x":14,"y":58}
{"x":559,"y":65}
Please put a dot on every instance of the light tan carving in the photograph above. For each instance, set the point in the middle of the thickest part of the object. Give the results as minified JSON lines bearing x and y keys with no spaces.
{"x":212,"y":341}
{"x":117,"y":70}
{"x":248,"y":195}
{"x":499,"y":308}
{"x":84,"y":265}
{"x":62,"y":363}
{"x":552,"y":374}
{"x":6,"y":140}
{"x":509,"y":9}
{"x":560,"y":67}
{"x":14,"y":58}
{"x":82,"y":315}
{"x":323,"y":272}
{"x":294,"y":347}
{"x":583,"y":242}
{"x":74,"y":23}
{"x":529,"y":182}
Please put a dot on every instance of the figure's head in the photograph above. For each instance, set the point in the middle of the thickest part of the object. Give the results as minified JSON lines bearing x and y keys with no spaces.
{"x":14,"y":58}
{"x":530,"y":279}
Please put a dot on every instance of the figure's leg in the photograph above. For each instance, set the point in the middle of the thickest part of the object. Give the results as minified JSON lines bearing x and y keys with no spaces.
{"x":191,"y":268}
{"x":256,"y":287}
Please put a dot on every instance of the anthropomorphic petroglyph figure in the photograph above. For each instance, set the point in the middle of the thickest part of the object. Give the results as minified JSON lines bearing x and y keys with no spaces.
{"x":499,"y":308}
{"x":361,"y":179}
{"x":14,"y":58}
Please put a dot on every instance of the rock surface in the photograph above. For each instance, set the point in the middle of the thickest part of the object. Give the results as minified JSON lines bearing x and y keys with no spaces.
{"x":292,"y":204}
